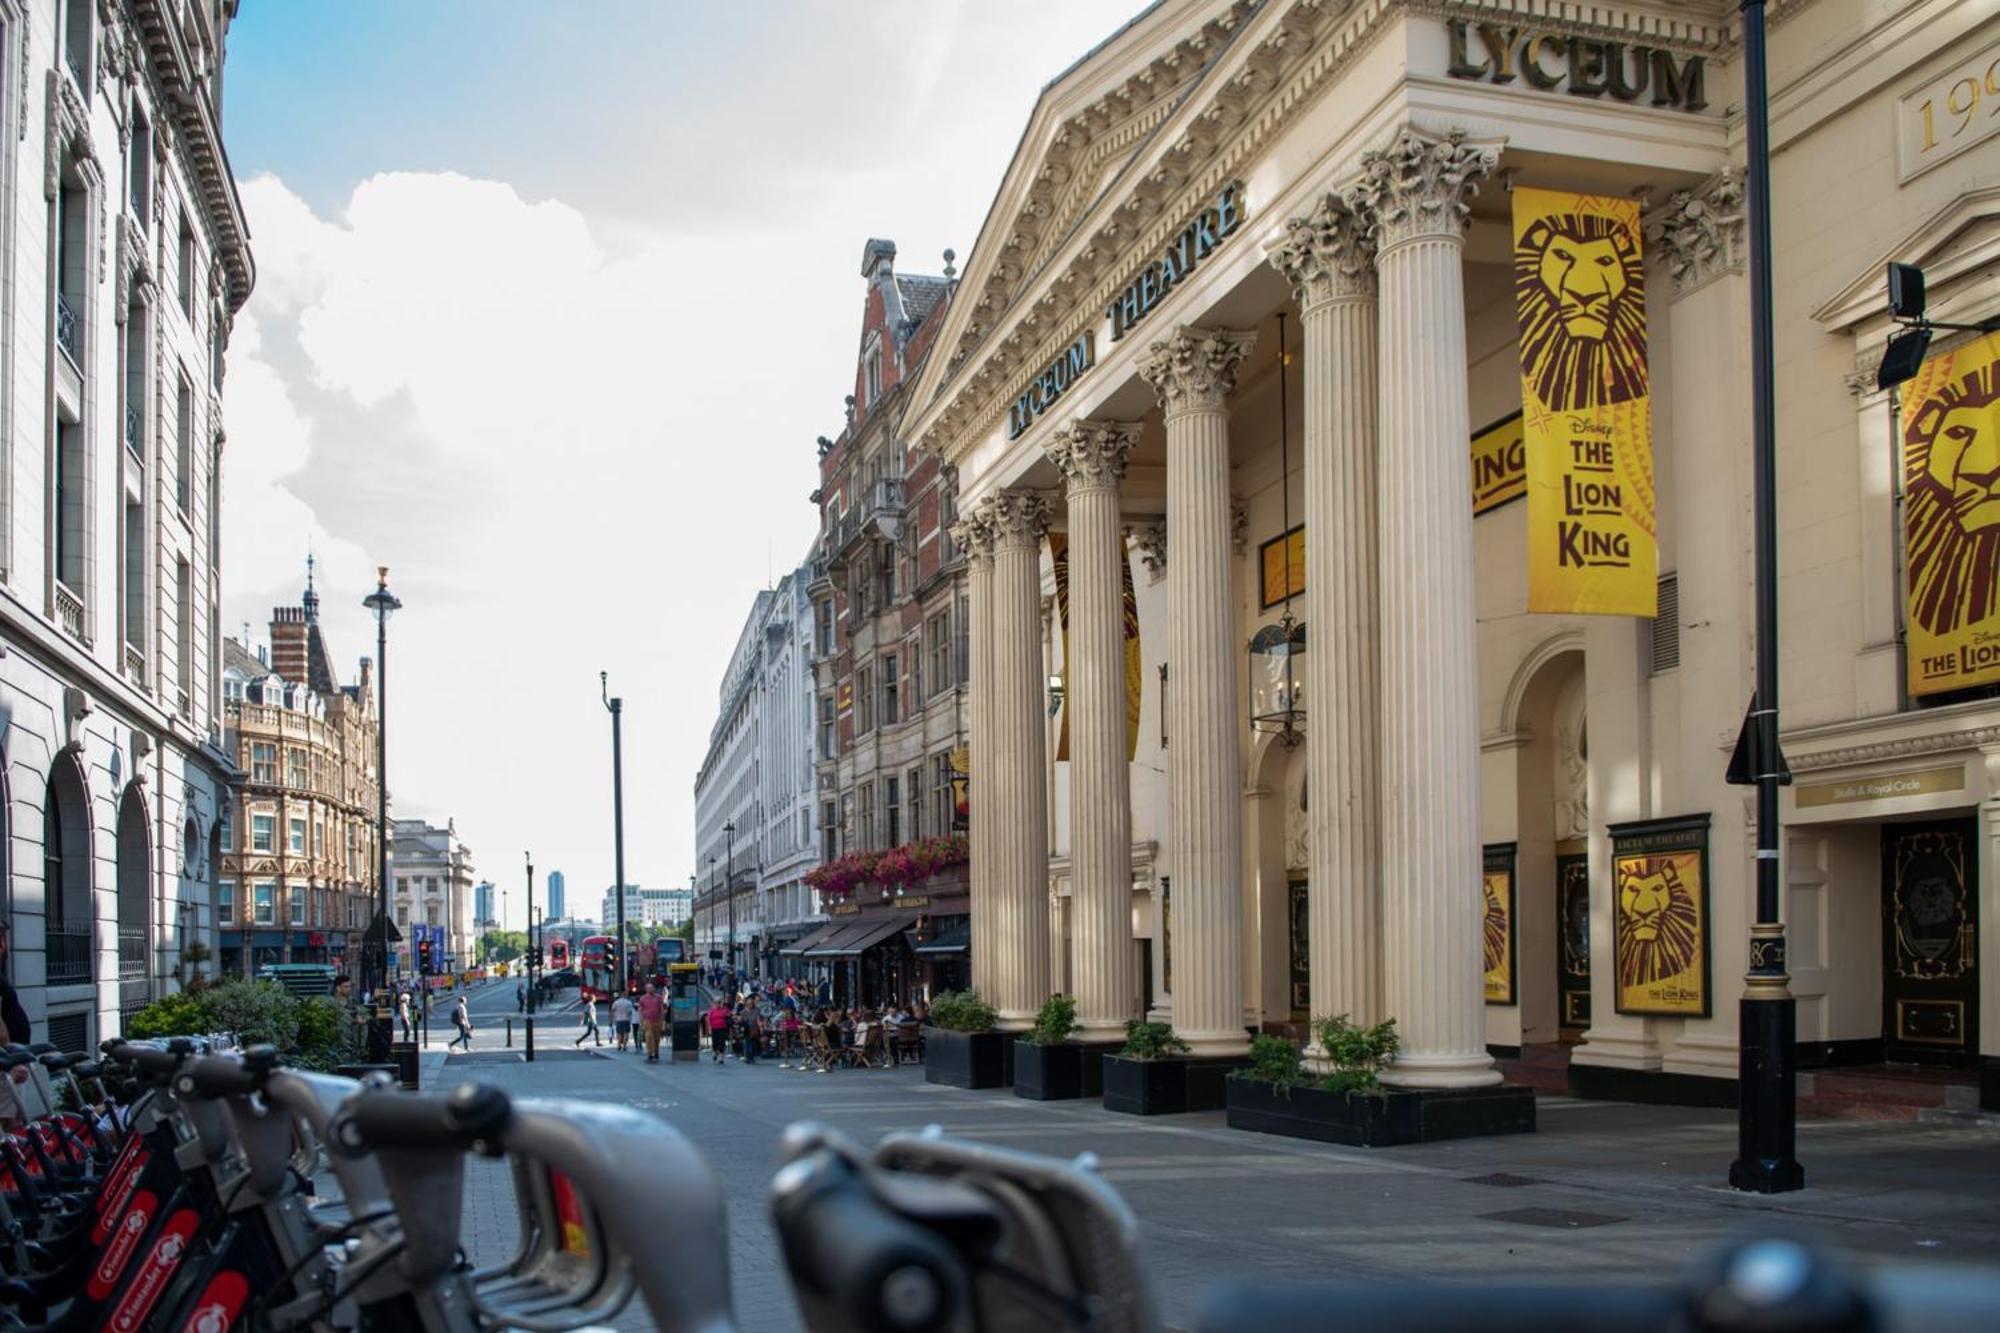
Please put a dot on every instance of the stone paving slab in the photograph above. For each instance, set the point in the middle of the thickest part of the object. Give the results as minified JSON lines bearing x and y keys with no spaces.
{"x":1612,"y":1191}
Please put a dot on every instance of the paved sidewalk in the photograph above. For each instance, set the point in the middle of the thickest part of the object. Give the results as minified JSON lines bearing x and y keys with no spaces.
{"x":1605,"y":1191}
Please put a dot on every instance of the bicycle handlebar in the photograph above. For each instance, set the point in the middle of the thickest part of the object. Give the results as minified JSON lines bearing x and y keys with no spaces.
{"x":385,"y":1120}
{"x":864,"y":1266}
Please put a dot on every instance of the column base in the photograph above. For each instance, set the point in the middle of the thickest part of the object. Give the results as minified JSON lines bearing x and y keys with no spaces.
{"x":1099,"y":1032}
{"x":1224,"y":1045}
{"x":1013,"y":1020}
{"x":1470,"y":1070}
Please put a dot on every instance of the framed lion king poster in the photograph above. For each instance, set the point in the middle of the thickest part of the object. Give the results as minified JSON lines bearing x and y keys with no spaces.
{"x":1659,"y":917}
{"x":1497,"y":928}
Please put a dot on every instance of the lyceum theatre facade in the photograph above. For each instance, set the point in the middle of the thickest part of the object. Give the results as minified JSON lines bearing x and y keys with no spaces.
{"x":1350,"y":406}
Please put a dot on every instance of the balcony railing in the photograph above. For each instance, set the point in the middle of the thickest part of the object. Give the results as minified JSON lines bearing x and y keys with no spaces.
{"x":132,"y":951}
{"x":68,"y":956}
{"x":69,"y":611}
{"x":135,"y":664}
{"x":66,"y":333}
{"x":887,"y":496}
{"x":135,"y":427}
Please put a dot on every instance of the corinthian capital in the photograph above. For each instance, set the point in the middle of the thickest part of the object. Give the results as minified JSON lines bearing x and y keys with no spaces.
{"x":1195,"y":369}
{"x":972,"y":535}
{"x":1091,"y":454}
{"x":1016,"y":518}
{"x":1418,"y":185}
{"x":1699,"y":232}
{"x":1329,"y":253}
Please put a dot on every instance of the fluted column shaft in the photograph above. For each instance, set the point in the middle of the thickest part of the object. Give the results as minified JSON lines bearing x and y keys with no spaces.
{"x":1194,"y":372}
{"x":973,"y":538}
{"x":1430,"y":646}
{"x":1018,"y":841}
{"x":1329,"y":258}
{"x":1091,"y":456}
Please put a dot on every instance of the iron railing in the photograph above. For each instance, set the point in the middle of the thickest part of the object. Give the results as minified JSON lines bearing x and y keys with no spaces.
{"x":69,"y":950}
{"x":66,"y":332}
{"x":132,"y":953}
{"x":135,"y":427}
{"x":69,"y":611}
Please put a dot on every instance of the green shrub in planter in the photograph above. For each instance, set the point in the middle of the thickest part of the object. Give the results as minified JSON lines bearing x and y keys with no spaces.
{"x":1055,"y":1022}
{"x":1151,"y":1041}
{"x":1356,"y":1053}
{"x":962,"y":1011}
{"x":179,"y":1015}
{"x":1276,"y":1062}
{"x":257,"y":1012}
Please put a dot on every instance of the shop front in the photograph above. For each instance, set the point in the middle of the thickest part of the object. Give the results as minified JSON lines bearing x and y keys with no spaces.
{"x":899,"y":951}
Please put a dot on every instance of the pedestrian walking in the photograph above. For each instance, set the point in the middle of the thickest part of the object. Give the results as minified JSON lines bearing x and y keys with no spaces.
{"x":461,"y":1018}
{"x":718,"y":1030}
{"x":589,"y":1022}
{"x":403,"y":1016}
{"x":753,"y":1031}
{"x":520,"y":998}
{"x":622,"y":1010}
{"x":652,"y":1016}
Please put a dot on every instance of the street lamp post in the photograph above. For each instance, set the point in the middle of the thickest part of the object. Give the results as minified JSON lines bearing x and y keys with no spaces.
{"x":383,"y":603}
{"x":711,"y":906}
{"x":729,"y":882}
{"x":617,"y":709}
{"x":533,"y":953}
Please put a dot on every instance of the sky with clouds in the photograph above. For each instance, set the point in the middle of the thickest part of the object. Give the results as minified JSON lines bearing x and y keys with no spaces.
{"x":552,"y":301}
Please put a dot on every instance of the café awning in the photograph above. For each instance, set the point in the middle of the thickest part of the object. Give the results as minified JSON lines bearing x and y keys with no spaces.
{"x":823,"y":935}
{"x":860,"y":937}
{"x":953,"y":937}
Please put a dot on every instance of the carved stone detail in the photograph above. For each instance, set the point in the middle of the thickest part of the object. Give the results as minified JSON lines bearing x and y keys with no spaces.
{"x":1091,"y":455}
{"x":1149,"y":540}
{"x":1329,"y":253}
{"x":1419,"y":185}
{"x":1195,"y":369}
{"x":972,"y":535}
{"x":1239,"y":526}
{"x":1971,"y":738}
{"x":1700,"y":231}
{"x":1016,"y":518}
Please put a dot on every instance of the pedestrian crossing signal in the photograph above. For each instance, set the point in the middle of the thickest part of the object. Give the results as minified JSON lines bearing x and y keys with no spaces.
{"x":424,"y":956}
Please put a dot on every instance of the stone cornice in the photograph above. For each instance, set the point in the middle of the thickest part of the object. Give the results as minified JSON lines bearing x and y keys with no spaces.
{"x":185,"y":97}
{"x":1902,"y":747}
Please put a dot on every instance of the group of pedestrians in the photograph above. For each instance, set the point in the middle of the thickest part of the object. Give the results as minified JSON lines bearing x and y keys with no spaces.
{"x":638,"y":1020}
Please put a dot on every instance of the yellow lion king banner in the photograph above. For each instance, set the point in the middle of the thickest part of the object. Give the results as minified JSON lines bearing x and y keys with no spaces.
{"x":1580,"y":297}
{"x":1951,"y":518}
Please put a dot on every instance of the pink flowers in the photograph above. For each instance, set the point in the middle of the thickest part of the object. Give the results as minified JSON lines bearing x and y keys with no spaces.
{"x":898,"y":868}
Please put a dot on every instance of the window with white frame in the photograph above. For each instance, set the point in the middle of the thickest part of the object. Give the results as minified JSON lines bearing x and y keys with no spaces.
{"x":263,"y":833}
{"x":296,"y":836}
{"x":225,"y":902}
{"x":264,"y":897}
{"x":939,"y":632}
{"x":298,"y":907}
{"x":264,"y":763}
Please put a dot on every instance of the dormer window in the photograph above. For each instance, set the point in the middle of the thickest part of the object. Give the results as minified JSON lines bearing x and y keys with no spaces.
{"x":871,"y":364}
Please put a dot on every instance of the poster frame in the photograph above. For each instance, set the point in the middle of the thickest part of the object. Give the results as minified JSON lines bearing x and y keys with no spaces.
{"x":1498,"y":858}
{"x":1679,"y":833}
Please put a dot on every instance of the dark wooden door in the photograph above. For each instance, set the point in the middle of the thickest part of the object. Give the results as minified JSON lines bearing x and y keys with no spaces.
{"x":1573,"y":942}
{"x":1930,"y":942}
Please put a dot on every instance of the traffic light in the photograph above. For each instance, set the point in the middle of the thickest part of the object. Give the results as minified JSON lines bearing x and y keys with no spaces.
{"x":611,"y":956}
{"x":424,"y":956}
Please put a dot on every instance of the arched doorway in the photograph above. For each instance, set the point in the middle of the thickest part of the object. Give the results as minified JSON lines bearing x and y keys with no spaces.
{"x":1552,"y":872}
{"x":135,"y":877}
{"x":66,"y":877}
{"x":1282,"y":853}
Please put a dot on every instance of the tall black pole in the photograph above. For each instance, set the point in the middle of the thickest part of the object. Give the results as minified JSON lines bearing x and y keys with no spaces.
{"x":533,"y":953}
{"x":729,"y":882}
{"x":617,"y":707}
{"x":1767,"y":1130}
{"x":382,"y":779}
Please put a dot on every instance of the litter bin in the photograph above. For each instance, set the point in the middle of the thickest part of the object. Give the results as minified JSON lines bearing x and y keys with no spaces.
{"x":403,"y":1055}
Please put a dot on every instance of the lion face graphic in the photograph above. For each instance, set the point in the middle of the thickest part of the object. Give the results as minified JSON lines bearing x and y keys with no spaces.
{"x":1659,"y":932}
{"x":1580,"y":293}
{"x":1952,"y":475}
{"x":1495,"y":931}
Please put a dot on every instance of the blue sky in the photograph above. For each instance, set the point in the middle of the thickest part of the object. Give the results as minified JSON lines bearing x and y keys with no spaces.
{"x":552,"y":301}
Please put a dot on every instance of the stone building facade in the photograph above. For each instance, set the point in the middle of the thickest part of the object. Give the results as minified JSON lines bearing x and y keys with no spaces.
{"x":298,"y":841}
{"x":431,"y":882}
{"x":126,"y":257}
{"x":1262,"y":254}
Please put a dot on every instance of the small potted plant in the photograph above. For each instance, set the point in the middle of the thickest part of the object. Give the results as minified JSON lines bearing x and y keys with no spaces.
{"x":1048,"y":1066}
{"x":1154,"y":1074}
{"x":962,"y":1050}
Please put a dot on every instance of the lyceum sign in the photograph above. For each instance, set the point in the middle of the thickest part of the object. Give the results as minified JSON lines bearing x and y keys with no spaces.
{"x":1581,"y":66}
{"x":1211,"y":227}
{"x":1051,"y":384}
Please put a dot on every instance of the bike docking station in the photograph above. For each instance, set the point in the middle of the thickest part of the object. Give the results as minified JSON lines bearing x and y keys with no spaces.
{"x":684,"y":1010}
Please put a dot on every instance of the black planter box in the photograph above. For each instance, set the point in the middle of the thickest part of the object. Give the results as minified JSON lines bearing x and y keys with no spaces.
{"x":1064,"y":1072}
{"x":1165,"y":1087}
{"x":968,"y":1059}
{"x":1384,"y":1121}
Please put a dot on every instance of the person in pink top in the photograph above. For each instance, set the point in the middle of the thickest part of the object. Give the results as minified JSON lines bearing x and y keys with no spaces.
{"x":652,"y":1016}
{"x":718,"y":1028}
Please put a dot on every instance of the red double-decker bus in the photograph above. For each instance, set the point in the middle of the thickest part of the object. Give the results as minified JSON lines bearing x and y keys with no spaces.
{"x":596,"y":978}
{"x":557,"y":950}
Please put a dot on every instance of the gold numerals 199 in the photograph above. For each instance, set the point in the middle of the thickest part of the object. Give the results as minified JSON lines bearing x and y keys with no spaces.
{"x":1962,"y":101}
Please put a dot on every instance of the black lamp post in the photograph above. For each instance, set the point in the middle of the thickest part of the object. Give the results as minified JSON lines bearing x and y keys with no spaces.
{"x":534,"y":954}
{"x":711,"y":891}
{"x":1766,"y":1119}
{"x":729,"y":882}
{"x":383,"y":932}
{"x":617,"y":708}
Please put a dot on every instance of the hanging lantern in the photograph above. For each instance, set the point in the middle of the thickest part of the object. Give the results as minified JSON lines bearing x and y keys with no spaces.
{"x":1277,"y":680}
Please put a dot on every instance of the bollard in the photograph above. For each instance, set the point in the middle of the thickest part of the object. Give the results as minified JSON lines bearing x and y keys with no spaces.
{"x":528,"y":1039}
{"x":510,"y":1032}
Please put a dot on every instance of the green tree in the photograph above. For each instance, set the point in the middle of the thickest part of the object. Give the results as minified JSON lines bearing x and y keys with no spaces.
{"x":502,"y":946}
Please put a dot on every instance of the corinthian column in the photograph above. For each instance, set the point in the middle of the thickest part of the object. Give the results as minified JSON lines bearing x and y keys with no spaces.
{"x":1091,"y":456}
{"x":972,"y":536}
{"x":1018,"y":840}
{"x":1329,"y":257}
{"x":1194,"y":371}
{"x":1431,"y":967}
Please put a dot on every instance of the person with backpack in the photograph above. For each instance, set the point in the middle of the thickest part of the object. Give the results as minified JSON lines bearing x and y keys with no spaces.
{"x":461,"y":1018}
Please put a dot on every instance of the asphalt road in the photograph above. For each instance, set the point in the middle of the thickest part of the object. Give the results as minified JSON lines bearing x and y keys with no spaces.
{"x":1605,"y":1192}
